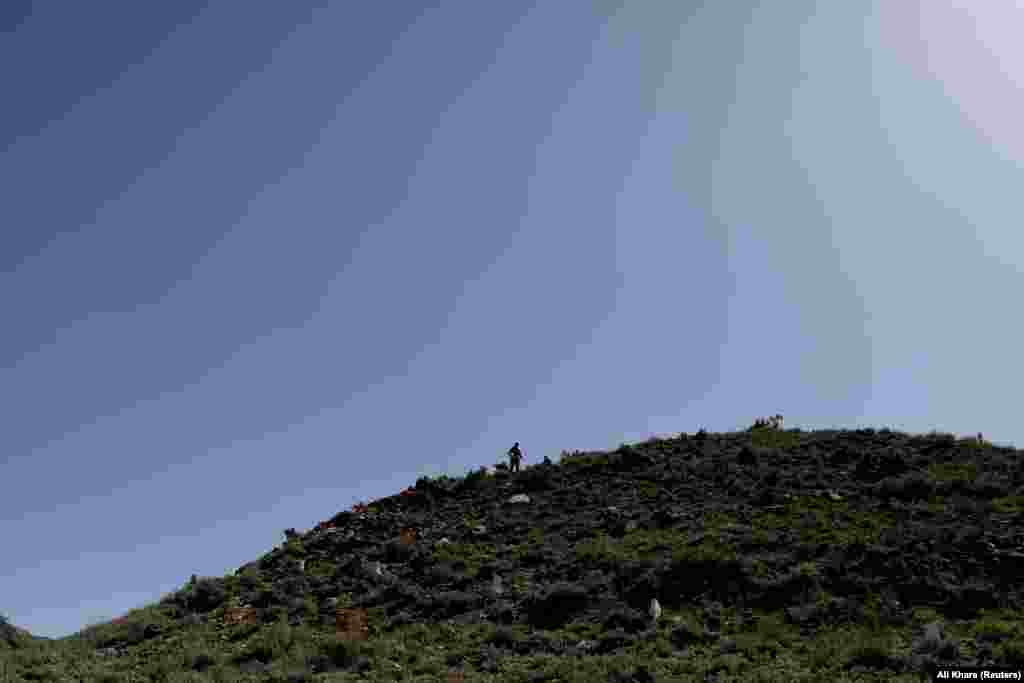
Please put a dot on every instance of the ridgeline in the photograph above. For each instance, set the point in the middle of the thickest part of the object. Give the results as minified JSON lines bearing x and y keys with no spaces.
{"x":761,"y":555}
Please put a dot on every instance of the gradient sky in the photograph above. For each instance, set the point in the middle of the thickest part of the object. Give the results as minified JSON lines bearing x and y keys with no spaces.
{"x":259,"y":261}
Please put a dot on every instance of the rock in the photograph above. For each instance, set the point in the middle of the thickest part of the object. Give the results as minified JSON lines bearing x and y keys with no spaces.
{"x":252,"y":666}
{"x":682,"y":636}
{"x":655,"y":609}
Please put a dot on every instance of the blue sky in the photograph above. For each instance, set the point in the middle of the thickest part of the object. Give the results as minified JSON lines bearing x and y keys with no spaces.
{"x":259,"y":261}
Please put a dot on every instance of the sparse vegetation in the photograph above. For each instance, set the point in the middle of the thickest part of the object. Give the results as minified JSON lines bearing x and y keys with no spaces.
{"x":775,"y":555}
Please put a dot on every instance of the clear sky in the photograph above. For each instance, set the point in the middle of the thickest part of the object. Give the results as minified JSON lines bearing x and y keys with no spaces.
{"x":259,"y":261}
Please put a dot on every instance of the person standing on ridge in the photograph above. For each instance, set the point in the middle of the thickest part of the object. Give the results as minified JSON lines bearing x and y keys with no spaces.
{"x":515,"y":456}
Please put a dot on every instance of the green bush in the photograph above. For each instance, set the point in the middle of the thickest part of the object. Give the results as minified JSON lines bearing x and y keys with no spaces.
{"x":342,"y":652}
{"x":250,"y":580}
{"x":207,"y":594}
{"x":294,"y":547}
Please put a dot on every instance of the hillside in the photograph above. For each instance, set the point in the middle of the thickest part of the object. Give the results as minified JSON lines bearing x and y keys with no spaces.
{"x":773,"y":555}
{"x":12,"y":637}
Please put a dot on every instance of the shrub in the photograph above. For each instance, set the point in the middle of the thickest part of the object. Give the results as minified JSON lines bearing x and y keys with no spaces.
{"x":963,"y":505}
{"x":1011,"y":652}
{"x":207,"y":594}
{"x":911,"y":486}
{"x":944,"y":438}
{"x":503,"y":636}
{"x":537,"y":479}
{"x":474,"y":476}
{"x":989,"y":486}
{"x":435,"y":485}
{"x":250,"y":579}
{"x":262,"y":651}
{"x":200,"y":662}
{"x":294,"y":548}
{"x":647,"y":489}
{"x":342,"y":653}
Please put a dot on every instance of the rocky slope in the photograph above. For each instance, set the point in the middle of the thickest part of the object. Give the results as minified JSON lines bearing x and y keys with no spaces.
{"x":756,"y":555}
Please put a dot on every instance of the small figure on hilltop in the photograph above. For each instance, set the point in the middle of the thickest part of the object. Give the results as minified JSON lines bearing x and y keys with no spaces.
{"x":547,"y":460}
{"x":515,"y":456}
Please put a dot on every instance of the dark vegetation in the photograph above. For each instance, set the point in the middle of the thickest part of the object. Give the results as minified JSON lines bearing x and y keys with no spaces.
{"x":774,"y":555}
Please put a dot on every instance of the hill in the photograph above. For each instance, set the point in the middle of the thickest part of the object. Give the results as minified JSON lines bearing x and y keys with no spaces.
{"x":12,"y":637}
{"x":761,"y":555}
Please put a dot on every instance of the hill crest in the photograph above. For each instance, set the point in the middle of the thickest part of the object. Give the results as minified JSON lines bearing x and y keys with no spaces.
{"x":750,"y":542}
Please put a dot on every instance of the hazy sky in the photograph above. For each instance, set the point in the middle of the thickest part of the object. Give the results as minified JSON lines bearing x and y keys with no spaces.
{"x":259,"y":261}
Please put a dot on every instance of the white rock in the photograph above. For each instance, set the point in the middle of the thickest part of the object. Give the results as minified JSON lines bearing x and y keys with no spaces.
{"x":519,"y":498}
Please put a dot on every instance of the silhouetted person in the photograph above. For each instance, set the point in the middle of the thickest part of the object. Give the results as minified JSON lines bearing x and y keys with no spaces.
{"x":515,"y":456}
{"x":547,"y":460}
